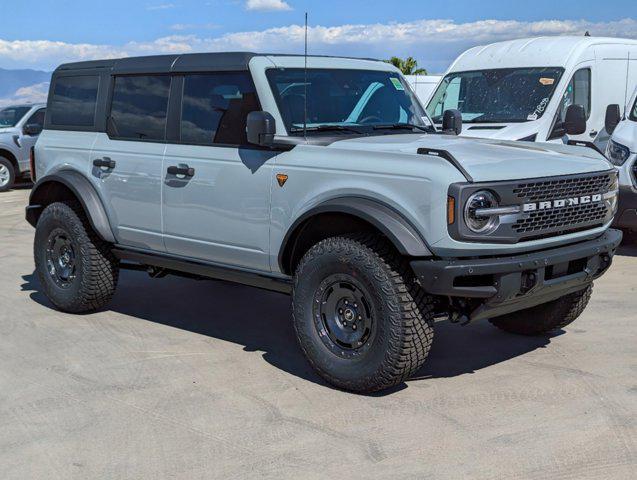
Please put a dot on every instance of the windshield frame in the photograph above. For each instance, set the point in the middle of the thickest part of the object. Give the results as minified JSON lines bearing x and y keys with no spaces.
{"x":349,"y":128}
{"x":26,"y":108}
{"x":550,"y":98}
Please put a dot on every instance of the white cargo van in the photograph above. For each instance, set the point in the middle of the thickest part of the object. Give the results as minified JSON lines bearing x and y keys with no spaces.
{"x":423,"y":85}
{"x":522,"y":89}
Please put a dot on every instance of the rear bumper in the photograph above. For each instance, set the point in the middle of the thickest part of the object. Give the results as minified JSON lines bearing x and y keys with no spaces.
{"x":627,"y":210}
{"x":500,"y":285}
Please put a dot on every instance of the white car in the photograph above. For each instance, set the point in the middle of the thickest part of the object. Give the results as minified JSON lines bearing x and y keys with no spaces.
{"x":522,"y":89}
{"x":622,"y":152}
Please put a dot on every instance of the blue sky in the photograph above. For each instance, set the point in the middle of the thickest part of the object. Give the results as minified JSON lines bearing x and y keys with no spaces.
{"x":43,"y":33}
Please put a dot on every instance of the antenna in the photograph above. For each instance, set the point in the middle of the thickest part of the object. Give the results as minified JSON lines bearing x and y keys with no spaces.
{"x":305,"y":85}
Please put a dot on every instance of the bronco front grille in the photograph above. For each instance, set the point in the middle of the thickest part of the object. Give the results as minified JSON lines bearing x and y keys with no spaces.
{"x":568,"y":218}
{"x":563,"y":188}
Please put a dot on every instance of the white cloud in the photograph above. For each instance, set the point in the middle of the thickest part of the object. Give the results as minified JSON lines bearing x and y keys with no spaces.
{"x":180,"y":27}
{"x":435,"y":43}
{"x":161,"y":6}
{"x":32,"y":94}
{"x":267,"y":5}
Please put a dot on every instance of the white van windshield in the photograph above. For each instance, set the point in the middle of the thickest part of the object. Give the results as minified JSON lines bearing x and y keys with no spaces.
{"x":504,"y":95}
{"x":633,"y":115}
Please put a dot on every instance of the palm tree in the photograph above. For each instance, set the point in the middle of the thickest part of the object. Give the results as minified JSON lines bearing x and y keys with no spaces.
{"x":409,"y":66}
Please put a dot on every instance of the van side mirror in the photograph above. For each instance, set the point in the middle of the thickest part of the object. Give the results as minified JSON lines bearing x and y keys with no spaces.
{"x":613,"y":117}
{"x":261,"y":128}
{"x":452,"y":122}
{"x":32,"y":129}
{"x":575,"y":121}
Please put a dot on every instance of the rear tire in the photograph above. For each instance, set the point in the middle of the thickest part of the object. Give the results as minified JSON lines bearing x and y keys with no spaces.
{"x":360,"y":318}
{"x":547,"y":317}
{"x":76,"y":268}
{"x":7,"y":174}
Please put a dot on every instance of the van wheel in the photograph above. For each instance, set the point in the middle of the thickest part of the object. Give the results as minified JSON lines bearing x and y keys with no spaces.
{"x":545,"y":318}
{"x":360,"y":318}
{"x":76,"y":269}
{"x":7,"y":174}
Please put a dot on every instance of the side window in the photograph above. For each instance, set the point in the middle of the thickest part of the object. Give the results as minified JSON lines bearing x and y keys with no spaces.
{"x":215,"y":108}
{"x":578,"y":91}
{"x":74,"y":101}
{"x":139,"y":107}
{"x":37,"y":118}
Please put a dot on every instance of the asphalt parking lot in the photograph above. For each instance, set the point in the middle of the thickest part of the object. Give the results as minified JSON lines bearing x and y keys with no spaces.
{"x":187,"y":379}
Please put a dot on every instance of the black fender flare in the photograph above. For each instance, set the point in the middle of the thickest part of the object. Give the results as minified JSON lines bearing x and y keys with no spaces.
{"x":387,"y":220}
{"x":83,"y":190}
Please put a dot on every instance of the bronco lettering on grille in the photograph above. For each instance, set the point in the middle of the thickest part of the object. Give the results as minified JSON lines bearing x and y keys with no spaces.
{"x":566,"y":202}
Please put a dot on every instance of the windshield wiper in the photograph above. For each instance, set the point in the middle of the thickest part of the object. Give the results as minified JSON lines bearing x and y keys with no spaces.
{"x":401,"y":126}
{"x":328,"y":128}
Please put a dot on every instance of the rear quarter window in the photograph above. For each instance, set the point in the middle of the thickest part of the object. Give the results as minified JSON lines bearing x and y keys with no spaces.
{"x":74,"y":101}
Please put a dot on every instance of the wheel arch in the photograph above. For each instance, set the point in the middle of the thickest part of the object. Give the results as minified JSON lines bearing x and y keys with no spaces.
{"x":69,"y":185}
{"x":331,"y":218}
{"x":9,"y":155}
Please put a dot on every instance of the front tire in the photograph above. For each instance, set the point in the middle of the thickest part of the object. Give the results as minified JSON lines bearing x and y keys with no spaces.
{"x":547,"y":317}
{"x":360,"y":318}
{"x":76,"y":268}
{"x":7,"y":174}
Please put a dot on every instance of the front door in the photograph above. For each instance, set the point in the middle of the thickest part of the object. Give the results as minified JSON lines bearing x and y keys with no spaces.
{"x":27,"y":141}
{"x":216,"y":188}
{"x":126,"y":162}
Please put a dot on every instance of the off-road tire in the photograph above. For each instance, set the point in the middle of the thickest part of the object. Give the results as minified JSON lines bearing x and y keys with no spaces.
{"x":547,"y":317}
{"x":97,"y":270}
{"x":402,"y":311}
{"x":6,"y":163}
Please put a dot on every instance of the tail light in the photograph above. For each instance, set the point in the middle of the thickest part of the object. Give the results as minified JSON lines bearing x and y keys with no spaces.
{"x":32,"y":163}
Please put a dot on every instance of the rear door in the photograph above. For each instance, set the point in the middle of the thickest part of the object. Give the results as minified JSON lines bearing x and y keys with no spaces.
{"x":126,"y":162}
{"x":216,"y":188}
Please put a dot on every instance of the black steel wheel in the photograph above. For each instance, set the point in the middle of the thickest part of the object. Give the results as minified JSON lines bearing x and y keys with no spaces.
{"x":360,"y":318}
{"x":77,"y":271}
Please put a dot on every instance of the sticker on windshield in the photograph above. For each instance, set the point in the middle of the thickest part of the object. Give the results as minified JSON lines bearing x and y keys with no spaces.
{"x":532,"y":117}
{"x":397,"y":84}
{"x":547,"y":81}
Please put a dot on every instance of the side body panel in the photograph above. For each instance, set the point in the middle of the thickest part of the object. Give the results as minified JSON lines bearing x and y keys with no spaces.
{"x":131,"y":191}
{"x":222,"y":213}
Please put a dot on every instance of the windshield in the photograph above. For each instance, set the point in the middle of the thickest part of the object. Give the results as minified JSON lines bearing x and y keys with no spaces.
{"x":496,"y":96}
{"x":357,"y":101}
{"x":633,"y":114}
{"x":10,"y":116}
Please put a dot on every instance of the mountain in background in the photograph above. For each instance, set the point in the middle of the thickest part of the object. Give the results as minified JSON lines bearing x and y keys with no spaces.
{"x":23,"y":86}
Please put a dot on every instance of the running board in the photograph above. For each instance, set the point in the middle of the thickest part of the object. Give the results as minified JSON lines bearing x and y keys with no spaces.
{"x":178,"y":266}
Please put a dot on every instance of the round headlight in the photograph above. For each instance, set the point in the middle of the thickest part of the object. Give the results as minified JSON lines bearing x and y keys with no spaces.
{"x":481,"y":223}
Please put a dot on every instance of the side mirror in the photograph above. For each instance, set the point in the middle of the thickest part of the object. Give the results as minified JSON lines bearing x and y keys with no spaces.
{"x":32,"y":129}
{"x":575,"y":121}
{"x":452,"y":122}
{"x":613,"y":117}
{"x":261,"y":128}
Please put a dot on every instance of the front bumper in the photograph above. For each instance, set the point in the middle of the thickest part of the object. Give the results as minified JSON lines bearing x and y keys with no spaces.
{"x":494,"y":286}
{"x":627,"y":210}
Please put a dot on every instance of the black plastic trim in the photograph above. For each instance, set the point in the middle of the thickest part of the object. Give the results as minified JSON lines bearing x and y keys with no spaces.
{"x":627,"y":211}
{"x":447,"y":156}
{"x":392,"y":224}
{"x":85,"y":193}
{"x":438,"y":277}
{"x":583,"y":143}
{"x":191,"y":267}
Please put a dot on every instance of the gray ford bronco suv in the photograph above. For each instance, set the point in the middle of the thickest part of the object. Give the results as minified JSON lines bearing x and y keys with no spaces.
{"x":20,"y":126}
{"x":328,"y":183}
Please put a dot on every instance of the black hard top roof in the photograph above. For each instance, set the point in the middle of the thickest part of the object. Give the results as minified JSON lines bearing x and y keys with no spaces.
{"x":190,"y":62}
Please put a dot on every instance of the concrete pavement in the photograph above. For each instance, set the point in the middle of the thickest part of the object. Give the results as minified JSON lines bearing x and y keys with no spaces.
{"x":187,"y":379}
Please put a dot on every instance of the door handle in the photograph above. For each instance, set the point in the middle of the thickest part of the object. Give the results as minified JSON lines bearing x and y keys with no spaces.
{"x":593,"y":133}
{"x":105,"y":162}
{"x":184,"y":170}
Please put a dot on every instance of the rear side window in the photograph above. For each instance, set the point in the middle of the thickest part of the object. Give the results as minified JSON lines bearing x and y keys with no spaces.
{"x":215,"y":108}
{"x":74,"y":101}
{"x":139,"y":107}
